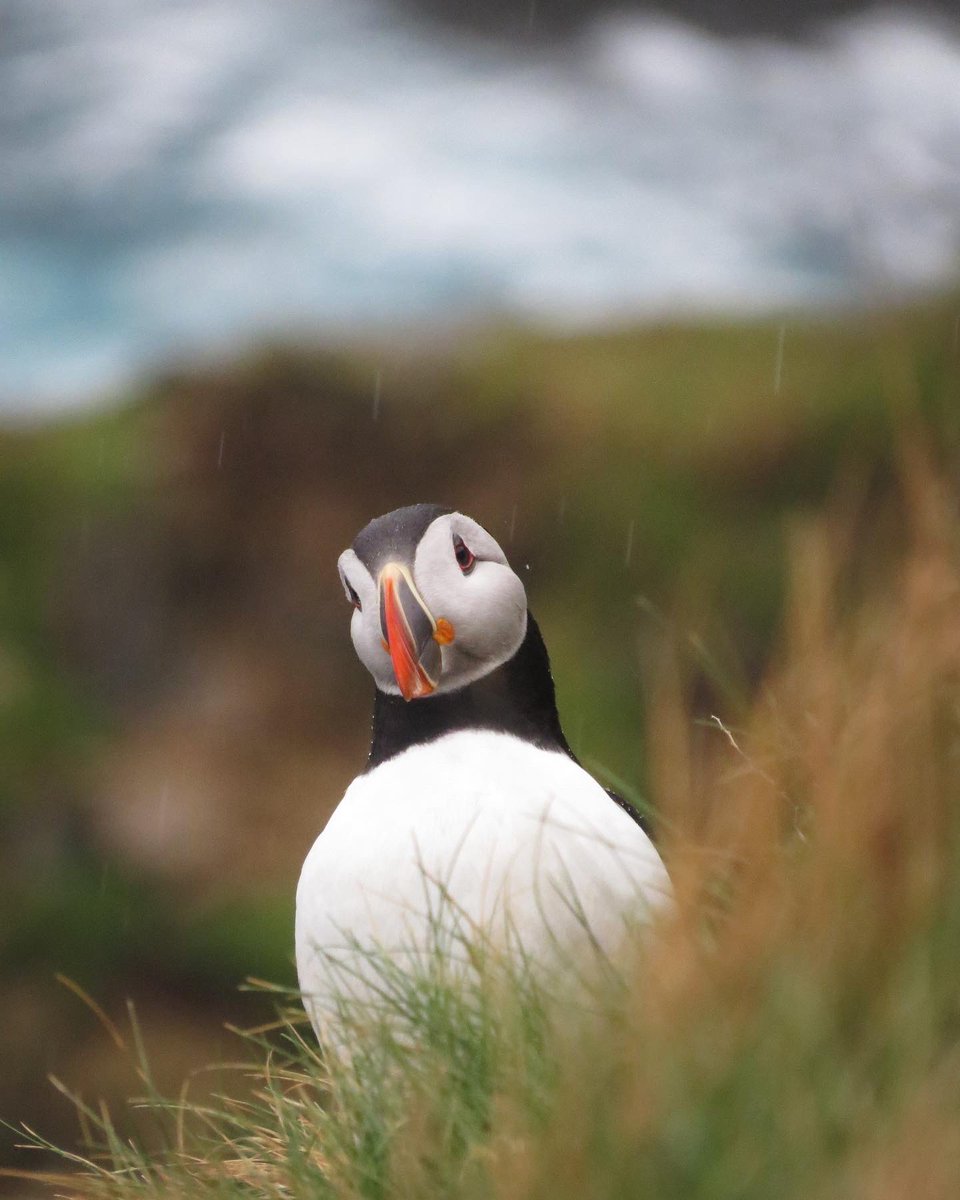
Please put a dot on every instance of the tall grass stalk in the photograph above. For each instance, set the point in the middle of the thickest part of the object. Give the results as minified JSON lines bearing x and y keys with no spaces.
{"x":791,"y":1029}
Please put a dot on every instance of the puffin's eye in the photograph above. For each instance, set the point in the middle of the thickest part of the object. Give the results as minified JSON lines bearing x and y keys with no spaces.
{"x":352,"y":596}
{"x":464,"y":555}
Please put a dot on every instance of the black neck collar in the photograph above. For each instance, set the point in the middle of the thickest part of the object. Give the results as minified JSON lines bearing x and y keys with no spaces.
{"x":516,"y":698}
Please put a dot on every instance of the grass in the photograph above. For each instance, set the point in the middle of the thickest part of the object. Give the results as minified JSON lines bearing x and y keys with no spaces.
{"x":792,"y":1030}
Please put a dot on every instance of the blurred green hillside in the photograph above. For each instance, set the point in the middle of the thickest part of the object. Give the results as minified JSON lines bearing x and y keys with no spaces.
{"x":180,"y":707}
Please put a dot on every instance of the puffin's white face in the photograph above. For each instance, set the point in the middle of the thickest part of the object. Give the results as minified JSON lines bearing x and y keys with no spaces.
{"x":435,"y":615}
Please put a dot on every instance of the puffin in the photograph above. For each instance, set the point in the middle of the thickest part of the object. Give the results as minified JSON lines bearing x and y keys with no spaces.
{"x":472,"y":821}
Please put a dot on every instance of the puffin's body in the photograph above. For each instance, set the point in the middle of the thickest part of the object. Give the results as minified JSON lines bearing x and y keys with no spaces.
{"x":472,"y":820}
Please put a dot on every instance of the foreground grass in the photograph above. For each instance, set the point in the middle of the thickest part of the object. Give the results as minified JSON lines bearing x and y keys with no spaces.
{"x":792,"y":1030}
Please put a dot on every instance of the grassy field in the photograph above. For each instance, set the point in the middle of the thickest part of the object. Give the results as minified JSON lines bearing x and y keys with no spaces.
{"x":792,"y":1030}
{"x":741,"y":543}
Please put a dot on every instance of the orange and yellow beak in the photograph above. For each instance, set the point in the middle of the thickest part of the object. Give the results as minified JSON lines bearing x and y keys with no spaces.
{"x":411,"y":635}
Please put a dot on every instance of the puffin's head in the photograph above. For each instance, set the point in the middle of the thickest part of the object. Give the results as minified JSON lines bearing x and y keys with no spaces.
{"x":436,"y":605}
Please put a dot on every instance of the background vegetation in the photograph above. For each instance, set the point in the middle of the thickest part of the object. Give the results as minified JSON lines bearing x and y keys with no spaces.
{"x":755,"y":522}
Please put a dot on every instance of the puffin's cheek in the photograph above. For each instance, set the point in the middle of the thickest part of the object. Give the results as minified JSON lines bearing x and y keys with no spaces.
{"x":373,"y":656}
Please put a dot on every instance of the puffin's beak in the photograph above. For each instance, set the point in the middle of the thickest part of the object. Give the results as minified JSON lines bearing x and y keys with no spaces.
{"x":409,"y":630}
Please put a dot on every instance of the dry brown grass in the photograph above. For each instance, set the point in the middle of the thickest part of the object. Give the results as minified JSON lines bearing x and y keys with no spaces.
{"x":795,"y":1029}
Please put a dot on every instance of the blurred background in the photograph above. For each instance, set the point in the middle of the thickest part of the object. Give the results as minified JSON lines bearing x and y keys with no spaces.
{"x":634,"y":285}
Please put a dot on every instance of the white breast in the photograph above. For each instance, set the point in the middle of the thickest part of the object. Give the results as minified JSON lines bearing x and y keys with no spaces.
{"x":480,"y":832}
